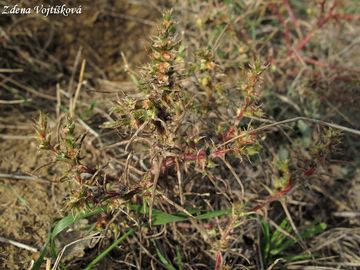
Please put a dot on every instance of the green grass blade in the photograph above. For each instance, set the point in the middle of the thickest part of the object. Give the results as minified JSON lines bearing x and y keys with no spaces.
{"x":178,"y":258}
{"x":213,"y":214}
{"x":278,"y":238}
{"x":162,"y":218}
{"x":266,"y":242}
{"x":299,"y":257}
{"x":278,"y":233}
{"x":309,"y":232}
{"x":40,"y":260}
{"x":168,"y":265}
{"x":159,"y":217}
{"x":106,"y":251}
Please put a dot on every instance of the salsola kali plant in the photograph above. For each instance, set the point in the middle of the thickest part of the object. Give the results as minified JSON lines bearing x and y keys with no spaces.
{"x":185,"y":135}
{"x":185,"y":117}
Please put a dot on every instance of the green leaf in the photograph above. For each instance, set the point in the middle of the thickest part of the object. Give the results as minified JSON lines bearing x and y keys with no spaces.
{"x":283,"y":153}
{"x":211,"y":164}
{"x":303,"y":127}
{"x":60,"y":226}
{"x":313,"y":230}
{"x":67,"y":221}
{"x":252,"y":150}
{"x":161,"y":218}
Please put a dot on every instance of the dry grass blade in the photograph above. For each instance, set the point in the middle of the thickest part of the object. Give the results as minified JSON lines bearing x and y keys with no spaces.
{"x":16,"y":137}
{"x":347,"y":214}
{"x":9,"y":70}
{"x":78,"y":88}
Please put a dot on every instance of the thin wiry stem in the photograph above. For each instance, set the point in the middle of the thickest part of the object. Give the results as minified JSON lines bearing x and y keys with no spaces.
{"x":142,"y":127}
{"x":236,"y":177}
{"x":311,"y":120}
{"x":179,"y":177}
{"x":156,"y":178}
{"x":90,"y":237}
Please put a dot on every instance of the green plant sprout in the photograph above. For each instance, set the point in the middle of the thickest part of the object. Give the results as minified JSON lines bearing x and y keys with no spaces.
{"x":276,"y":243}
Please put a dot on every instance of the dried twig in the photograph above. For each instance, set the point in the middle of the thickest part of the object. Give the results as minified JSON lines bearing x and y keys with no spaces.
{"x":18,"y":244}
{"x":88,"y":128}
{"x":22,"y":177}
{"x":16,"y":101}
{"x":347,"y":214}
{"x":16,"y":137}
